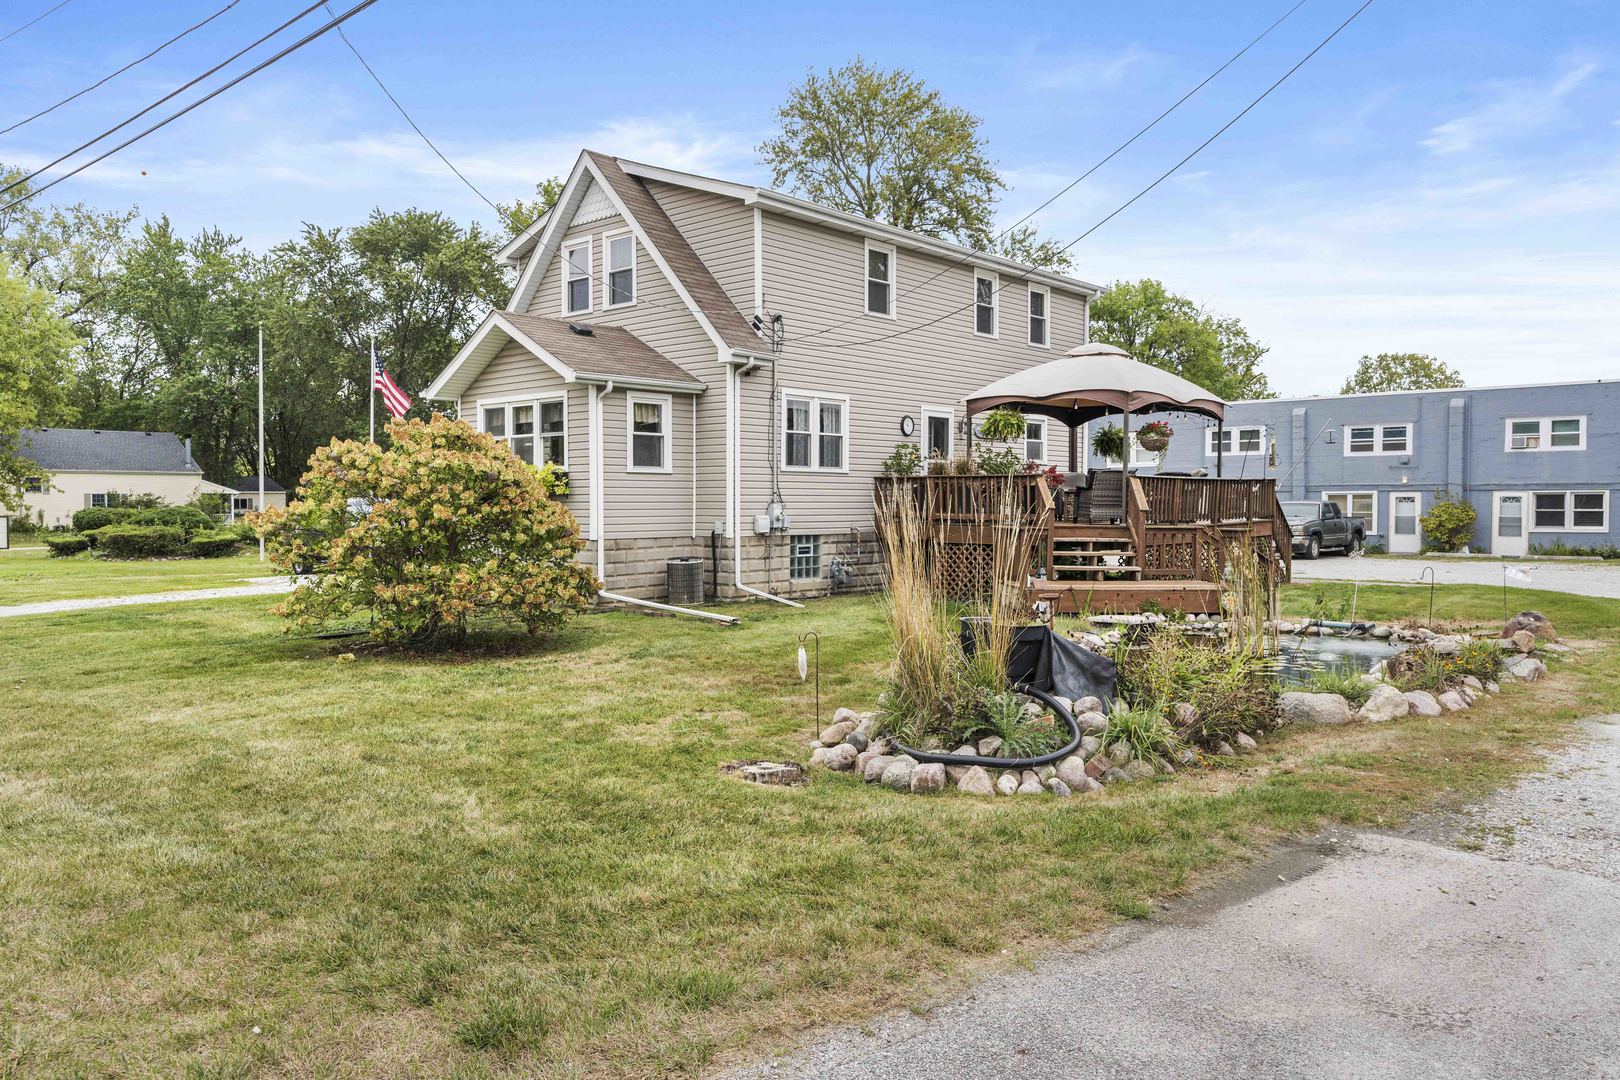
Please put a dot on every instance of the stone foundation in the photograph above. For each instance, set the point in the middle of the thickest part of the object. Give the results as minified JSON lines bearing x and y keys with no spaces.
{"x":635,"y":567}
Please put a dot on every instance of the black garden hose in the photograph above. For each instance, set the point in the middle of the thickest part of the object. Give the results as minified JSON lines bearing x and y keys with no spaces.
{"x":1049,"y":701}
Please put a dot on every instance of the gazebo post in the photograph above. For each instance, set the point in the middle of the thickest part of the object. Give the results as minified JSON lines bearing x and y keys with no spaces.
{"x":1125,"y":451}
{"x":1074,"y":448}
{"x":1220,"y":437}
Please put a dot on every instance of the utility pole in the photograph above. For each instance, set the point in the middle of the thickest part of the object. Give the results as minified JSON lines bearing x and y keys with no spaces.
{"x":261,"y":435}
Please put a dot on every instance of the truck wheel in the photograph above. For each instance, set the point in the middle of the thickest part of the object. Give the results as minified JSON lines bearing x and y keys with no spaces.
{"x":1356,"y":543}
{"x":1313,"y":548}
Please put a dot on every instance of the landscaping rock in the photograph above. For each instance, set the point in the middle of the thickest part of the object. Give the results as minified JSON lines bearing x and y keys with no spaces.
{"x":1183,"y":715}
{"x":1007,"y":783}
{"x":872,"y":771}
{"x":897,"y":775}
{"x":1187,"y":756}
{"x":1072,"y":771}
{"x":835,"y":733}
{"x":881,"y":746}
{"x":1423,"y":703}
{"x":846,"y":716}
{"x":1224,"y":749}
{"x":1032,"y":709}
{"x":1524,"y":641}
{"x":1298,"y":707}
{"x":1445,"y":646}
{"x":1527,"y":668}
{"x":1028,"y":776}
{"x":955,"y":771}
{"x":1087,"y":704}
{"x":867,"y":725}
{"x":1245,"y":743}
{"x":1138,"y":769}
{"x":1098,"y":766}
{"x":1031,"y":786}
{"x":1067,"y":703}
{"x":927,"y":779}
{"x":1119,"y":753}
{"x":1116,"y":776}
{"x":856,"y":739}
{"x":1383,"y":704}
{"x":1059,"y":788}
{"x":1534,"y":622}
{"x":1506,"y":645}
{"x":1089,"y":744}
{"x":1492,"y":686}
{"x":976,"y":781}
{"x":840,"y":758}
{"x":1045,"y":772}
{"x":1554,"y":647}
{"x":1088,"y":787}
{"x":818,"y":756}
{"x":1473,"y":683}
{"x":862,"y":758}
{"x":1382,"y":633}
{"x":989,"y":745}
{"x":1452,"y":701}
{"x":1092,"y":722}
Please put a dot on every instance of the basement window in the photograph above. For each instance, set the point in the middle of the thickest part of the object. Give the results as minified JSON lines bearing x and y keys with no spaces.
{"x":804,"y":556}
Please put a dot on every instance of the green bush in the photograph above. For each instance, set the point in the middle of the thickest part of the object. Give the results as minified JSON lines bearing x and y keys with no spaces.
{"x":243,"y":532}
{"x":64,"y":544}
{"x":904,"y":461}
{"x":1000,"y":461}
{"x":1347,"y":684}
{"x":138,"y":541}
{"x":1230,"y":690}
{"x":1449,"y":524}
{"x":188,"y":519}
{"x":96,"y":517}
{"x":211,"y":545}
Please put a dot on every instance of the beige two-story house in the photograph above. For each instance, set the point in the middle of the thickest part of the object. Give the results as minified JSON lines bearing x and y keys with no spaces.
{"x":722,"y":369}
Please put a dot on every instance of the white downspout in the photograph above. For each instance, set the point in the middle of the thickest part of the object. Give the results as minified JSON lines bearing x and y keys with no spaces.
{"x":734,"y":483}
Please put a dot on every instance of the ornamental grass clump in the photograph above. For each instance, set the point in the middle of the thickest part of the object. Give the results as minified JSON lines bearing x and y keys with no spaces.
{"x":443,"y":526}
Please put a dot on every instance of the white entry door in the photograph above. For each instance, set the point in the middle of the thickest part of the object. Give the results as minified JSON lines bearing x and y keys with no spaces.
{"x":1405,"y":534}
{"x":1510,"y":534}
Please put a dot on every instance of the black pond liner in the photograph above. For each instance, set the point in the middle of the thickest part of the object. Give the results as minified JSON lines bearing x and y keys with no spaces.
{"x":1040,"y":664}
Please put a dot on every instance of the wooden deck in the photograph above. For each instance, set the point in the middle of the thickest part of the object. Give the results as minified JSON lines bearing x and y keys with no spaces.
{"x":1168,"y":543}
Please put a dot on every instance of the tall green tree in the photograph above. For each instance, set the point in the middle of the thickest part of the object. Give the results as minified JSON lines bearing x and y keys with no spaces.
{"x":519,"y":214}
{"x":1400,"y":371}
{"x":36,"y":367}
{"x":1172,"y":332}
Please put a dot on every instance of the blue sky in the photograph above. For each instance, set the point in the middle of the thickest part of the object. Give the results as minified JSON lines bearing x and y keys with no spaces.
{"x":1443,"y":178}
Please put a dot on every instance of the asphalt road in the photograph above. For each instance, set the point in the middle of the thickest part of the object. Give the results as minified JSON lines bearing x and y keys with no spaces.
{"x":1583,"y":578}
{"x":1485,"y":945}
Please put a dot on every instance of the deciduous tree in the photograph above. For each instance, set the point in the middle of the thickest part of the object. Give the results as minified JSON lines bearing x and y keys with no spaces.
{"x":1400,"y":371}
{"x":1161,"y":328}
{"x":36,"y":358}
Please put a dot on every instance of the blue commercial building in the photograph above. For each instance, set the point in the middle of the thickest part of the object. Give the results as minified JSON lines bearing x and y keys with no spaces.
{"x":1540,"y":463}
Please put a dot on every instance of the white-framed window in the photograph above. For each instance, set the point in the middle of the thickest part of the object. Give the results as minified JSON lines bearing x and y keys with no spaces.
{"x":985,"y":293}
{"x":815,"y":431}
{"x":804,"y":556}
{"x":1546,"y":433}
{"x":577,"y":278}
{"x":619,"y":250}
{"x":880,"y":260}
{"x":1569,"y":511}
{"x":1143,"y":458}
{"x":241,"y":504}
{"x":1035,"y":439}
{"x":535,"y":428}
{"x":1040,"y":318}
{"x":647,"y":424}
{"x":1366,"y":440}
{"x":1361,"y":504}
{"x":1243,"y":439}
{"x":938,"y":426}
{"x":33,"y":485}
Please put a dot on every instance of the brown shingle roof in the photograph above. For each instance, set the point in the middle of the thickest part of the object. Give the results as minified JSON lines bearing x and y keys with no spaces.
{"x":609,"y":351}
{"x":693,"y":273}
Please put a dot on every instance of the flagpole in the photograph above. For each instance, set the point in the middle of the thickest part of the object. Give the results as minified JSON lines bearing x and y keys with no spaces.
{"x":261,"y":435}
{"x":371,"y":394}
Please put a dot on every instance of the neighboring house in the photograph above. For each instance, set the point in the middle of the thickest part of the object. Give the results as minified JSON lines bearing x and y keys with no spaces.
{"x":244,"y":495}
{"x":636,"y":351}
{"x":80,"y":468}
{"x":1540,"y":463}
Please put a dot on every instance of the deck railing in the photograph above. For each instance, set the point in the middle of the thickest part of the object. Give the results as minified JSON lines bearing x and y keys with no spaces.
{"x":1204,"y":500}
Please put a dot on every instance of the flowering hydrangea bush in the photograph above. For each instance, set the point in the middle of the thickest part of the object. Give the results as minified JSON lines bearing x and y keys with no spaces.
{"x":442,"y":526}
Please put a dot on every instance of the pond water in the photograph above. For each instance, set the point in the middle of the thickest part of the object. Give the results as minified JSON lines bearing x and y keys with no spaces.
{"x":1299,"y":658}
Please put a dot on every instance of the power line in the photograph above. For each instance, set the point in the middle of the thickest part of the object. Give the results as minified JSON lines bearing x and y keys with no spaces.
{"x":166,"y":97}
{"x":1128,"y":202}
{"x":1235,"y":57}
{"x":120,"y":71}
{"x":35,"y":19}
{"x":260,"y":66}
{"x":414,"y":126}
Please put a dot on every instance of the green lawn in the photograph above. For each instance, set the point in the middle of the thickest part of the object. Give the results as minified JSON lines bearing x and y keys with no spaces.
{"x":30,"y":576}
{"x":228,"y":852}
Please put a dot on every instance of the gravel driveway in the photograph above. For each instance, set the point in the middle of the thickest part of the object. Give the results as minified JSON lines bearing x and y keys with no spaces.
{"x":1479,"y":946}
{"x":257,"y":587}
{"x":1581,"y":578}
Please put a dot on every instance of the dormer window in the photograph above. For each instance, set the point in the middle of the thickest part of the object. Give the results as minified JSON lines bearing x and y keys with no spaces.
{"x":577,"y":278}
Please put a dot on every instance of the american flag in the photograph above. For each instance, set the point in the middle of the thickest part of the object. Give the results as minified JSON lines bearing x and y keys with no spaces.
{"x":394,"y":399}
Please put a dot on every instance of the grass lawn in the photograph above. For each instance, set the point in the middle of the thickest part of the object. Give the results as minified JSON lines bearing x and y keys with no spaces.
{"x":227,"y":852}
{"x":28,"y":577}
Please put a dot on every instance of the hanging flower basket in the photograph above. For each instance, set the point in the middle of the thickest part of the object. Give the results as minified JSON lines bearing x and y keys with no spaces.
{"x":1155,"y":437}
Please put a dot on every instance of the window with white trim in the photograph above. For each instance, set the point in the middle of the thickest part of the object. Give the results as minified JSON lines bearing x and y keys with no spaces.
{"x":1040,"y":301}
{"x":1372,"y":439}
{"x":648,"y":432}
{"x":880,"y":280}
{"x":1035,"y":439}
{"x":1546,"y":433}
{"x":1570,"y":511}
{"x":621,"y":270}
{"x":1235,"y":440}
{"x":1361,"y":504}
{"x":937,"y":425}
{"x":804,"y":556}
{"x":241,"y":504}
{"x":1142,"y":457}
{"x":531,"y":427}
{"x":814,"y":431}
{"x":984,"y":304}
{"x":577,"y":278}
{"x":33,"y":485}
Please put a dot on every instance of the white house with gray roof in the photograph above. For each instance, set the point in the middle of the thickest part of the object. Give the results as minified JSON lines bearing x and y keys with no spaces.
{"x":84,"y":467}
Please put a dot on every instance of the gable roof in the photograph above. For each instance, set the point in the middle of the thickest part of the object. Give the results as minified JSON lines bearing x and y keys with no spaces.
{"x":249,"y":485}
{"x":97,"y":450}
{"x":605,"y":354}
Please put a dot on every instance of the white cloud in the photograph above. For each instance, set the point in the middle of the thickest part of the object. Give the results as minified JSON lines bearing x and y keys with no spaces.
{"x":1091,"y":74}
{"x":1512,"y":107}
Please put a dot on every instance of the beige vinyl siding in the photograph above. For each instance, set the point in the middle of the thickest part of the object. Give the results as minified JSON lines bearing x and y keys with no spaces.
{"x":515,"y":372}
{"x":721,"y":231}
{"x":646,"y":504}
{"x":815,"y":276}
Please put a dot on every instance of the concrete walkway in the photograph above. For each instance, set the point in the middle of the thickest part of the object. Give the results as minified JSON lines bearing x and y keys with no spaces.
{"x":1581,"y":578}
{"x":1484,"y":946}
{"x":255,"y":587}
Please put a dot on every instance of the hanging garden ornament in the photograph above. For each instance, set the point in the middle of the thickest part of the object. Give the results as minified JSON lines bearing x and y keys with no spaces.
{"x":804,"y":664}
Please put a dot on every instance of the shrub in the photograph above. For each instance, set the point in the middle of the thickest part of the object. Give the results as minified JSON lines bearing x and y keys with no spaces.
{"x":443,"y":526}
{"x":213,"y":503}
{"x":138,"y":541}
{"x":904,"y":460}
{"x":1347,"y":684}
{"x":1002,"y":714}
{"x":211,"y":545}
{"x":1558,"y":547}
{"x":1144,"y":729}
{"x":95,"y":517}
{"x":243,"y":532}
{"x":1000,"y":461}
{"x":1449,"y":524}
{"x":1003,"y":425}
{"x":64,"y":544}
{"x":1231,"y":690}
{"x":188,"y":519}
{"x":1422,"y":668}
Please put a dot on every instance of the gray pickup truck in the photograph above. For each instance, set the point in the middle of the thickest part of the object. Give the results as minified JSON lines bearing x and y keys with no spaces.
{"x":1320,"y":525}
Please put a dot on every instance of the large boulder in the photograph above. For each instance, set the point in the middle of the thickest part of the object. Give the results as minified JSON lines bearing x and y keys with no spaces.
{"x":833,"y":734}
{"x":1533,"y":621}
{"x":1383,"y":704}
{"x":872,"y":771}
{"x":898,"y":774}
{"x":1007,"y":783}
{"x":1422,"y":703}
{"x":840,"y":758}
{"x":1299,"y":707}
{"x":927,"y":779}
{"x":976,"y":781}
{"x":1527,"y":668}
{"x":1137,"y":769}
{"x":1091,"y":722}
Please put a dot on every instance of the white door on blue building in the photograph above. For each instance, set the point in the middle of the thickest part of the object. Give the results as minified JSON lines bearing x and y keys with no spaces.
{"x":1405,"y":532}
{"x":1510,"y":533}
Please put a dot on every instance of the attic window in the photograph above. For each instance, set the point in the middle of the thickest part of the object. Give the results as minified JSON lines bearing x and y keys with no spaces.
{"x":577,"y":278}
{"x":621,"y":270}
